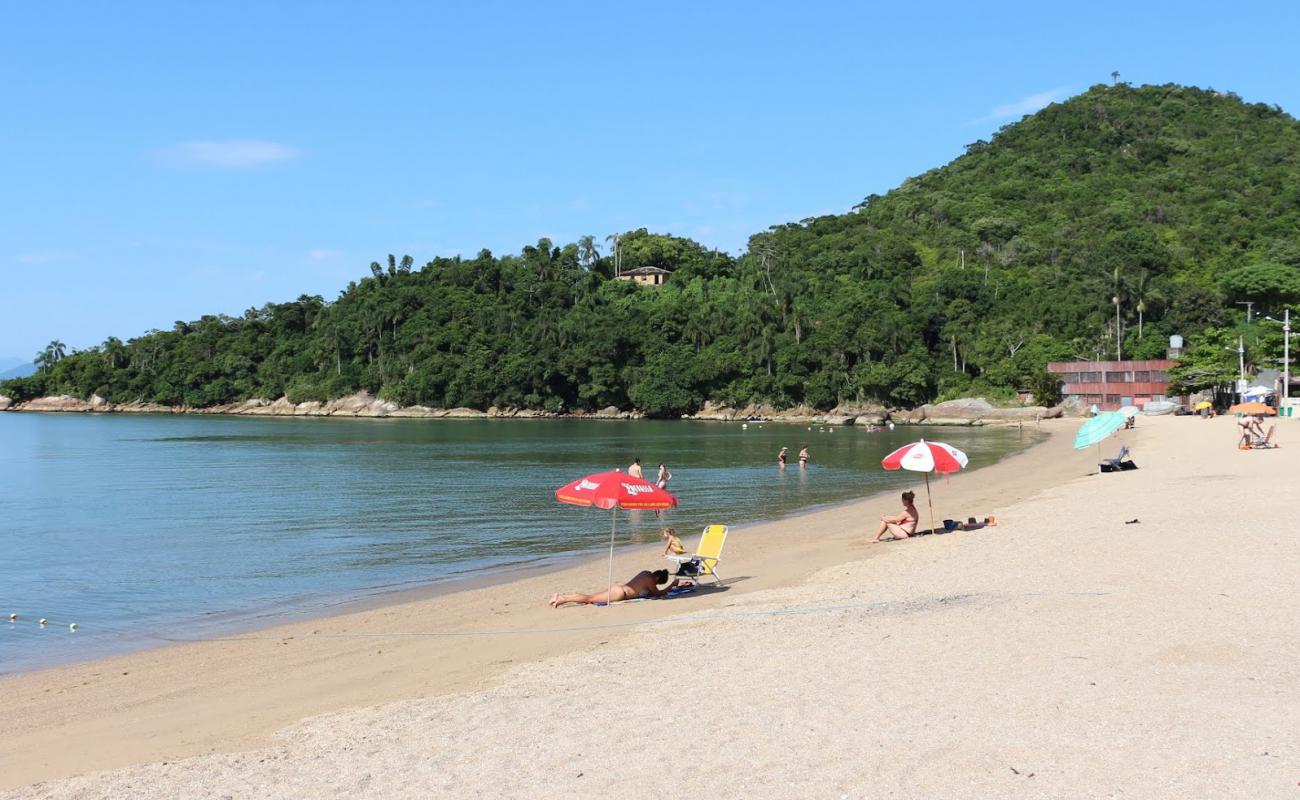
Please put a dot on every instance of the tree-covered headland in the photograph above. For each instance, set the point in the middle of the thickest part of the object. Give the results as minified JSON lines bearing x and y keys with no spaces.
{"x":1166,"y":204}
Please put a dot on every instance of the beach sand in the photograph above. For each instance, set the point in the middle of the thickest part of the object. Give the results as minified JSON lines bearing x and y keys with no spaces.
{"x":1063,"y":653}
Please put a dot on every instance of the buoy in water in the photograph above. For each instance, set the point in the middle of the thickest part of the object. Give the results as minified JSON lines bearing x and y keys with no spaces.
{"x":42,"y":622}
{"x":13,"y":617}
{"x":72,"y":626}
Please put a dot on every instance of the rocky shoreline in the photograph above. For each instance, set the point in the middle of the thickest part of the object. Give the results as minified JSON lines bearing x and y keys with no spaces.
{"x":965,"y":411}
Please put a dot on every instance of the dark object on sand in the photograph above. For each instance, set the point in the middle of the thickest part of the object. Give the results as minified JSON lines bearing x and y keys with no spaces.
{"x":1132,"y":522}
{"x":1120,"y":463}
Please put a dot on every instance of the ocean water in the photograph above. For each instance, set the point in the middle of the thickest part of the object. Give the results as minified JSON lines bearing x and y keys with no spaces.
{"x":143,"y":528}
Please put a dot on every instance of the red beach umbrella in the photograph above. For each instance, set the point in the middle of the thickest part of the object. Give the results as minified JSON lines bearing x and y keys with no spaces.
{"x":926,"y":457}
{"x":615,"y":490}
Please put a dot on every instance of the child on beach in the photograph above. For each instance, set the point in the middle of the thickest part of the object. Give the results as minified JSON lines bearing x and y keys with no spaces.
{"x":673,"y":546}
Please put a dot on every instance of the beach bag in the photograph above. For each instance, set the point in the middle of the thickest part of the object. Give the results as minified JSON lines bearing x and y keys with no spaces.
{"x":689,"y":569}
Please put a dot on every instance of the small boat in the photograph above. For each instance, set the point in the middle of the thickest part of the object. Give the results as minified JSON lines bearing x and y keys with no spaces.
{"x":1157,"y":408}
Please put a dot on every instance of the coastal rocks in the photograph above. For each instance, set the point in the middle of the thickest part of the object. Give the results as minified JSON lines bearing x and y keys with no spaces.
{"x":59,"y":403}
{"x":714,"y":412}
{"x":970,"y":411}
{"x":464,"y":413}
{"x":143,"y":408}
{"x":5,"y":403}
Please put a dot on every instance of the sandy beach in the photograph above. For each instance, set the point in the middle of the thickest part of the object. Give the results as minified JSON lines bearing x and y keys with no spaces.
{"x":1067,"y":652}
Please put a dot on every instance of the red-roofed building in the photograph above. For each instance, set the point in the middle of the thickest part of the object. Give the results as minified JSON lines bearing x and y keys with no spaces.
{"x":1112,"y":384}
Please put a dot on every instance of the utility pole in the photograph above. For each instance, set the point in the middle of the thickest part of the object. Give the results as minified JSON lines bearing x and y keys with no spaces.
{"x":1119,"y":346}
{"x":1241,"y":369}
{"x":1286,"y":359}
{"x":1249,"y":304}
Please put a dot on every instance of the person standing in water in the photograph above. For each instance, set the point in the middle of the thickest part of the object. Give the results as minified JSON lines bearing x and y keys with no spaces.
{"x":781,"y":456}
{"x":803,"y":456}
{"x":664,"y":477}
{"x":635,"y":469}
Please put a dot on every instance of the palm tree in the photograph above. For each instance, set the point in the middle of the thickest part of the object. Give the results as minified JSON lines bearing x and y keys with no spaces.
{"x":51,"y":355}
{"x":1114,"y":77}
{"x":618,"y":256}
{"x":588,"y":251}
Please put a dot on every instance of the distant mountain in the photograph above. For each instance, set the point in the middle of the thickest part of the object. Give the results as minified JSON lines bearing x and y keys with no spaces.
{"x":16,"y":368}
{"x":9,"y":362}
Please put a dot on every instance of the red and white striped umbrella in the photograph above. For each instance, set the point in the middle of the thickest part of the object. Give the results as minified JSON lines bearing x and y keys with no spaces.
{"x":926,"y":457}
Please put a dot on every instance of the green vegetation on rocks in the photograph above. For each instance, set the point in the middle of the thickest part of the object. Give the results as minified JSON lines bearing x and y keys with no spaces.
{"x":1167,"y":204}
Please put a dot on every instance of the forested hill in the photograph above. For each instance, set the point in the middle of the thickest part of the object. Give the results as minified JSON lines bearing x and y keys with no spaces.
{"x":1176,"y":202}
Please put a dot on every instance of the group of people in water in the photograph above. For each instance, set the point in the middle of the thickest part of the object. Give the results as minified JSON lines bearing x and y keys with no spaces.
{"x":634,"y":469}
{"x":782,"y":456}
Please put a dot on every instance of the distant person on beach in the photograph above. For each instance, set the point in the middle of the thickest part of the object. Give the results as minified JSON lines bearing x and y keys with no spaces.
{"x":1250,"y":428}
{"x":643,"y":584}
{"x":673,"y":545}
{"x":635,"y":469}
{"x":901,"y":526}
{"x":781,"y":456}
{"x":803,"y":456}
{"x":664,"y":477}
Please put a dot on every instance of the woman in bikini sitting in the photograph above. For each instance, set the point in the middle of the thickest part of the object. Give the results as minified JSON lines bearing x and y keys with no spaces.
{"x":643,"y":584}
{"x":901,"y":526}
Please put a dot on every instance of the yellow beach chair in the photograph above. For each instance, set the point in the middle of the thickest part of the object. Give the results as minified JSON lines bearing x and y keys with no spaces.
{"x":706,"y":555}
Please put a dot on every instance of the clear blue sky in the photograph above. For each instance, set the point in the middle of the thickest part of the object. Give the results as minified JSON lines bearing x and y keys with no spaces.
{"x":165,"y":160}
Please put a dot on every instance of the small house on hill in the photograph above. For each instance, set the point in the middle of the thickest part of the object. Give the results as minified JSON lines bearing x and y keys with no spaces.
{"x":649,"y":276}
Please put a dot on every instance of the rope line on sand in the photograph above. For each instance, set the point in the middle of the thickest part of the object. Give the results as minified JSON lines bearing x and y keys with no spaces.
{"x":705,"y":617}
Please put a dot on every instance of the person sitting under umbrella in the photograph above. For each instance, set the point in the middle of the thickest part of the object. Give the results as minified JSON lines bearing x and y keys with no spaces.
{"x":643,"y":584}
{"x":901,"y":526}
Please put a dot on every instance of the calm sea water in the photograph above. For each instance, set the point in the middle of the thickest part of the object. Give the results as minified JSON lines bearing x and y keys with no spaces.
{"x":144,"y":527}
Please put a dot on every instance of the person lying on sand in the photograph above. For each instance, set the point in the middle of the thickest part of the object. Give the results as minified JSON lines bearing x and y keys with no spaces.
{"x":643,"y":584}
{"x":900,"y":526}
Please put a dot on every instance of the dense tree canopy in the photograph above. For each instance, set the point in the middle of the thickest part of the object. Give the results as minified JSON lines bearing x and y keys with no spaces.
{"x":1167,"y":204}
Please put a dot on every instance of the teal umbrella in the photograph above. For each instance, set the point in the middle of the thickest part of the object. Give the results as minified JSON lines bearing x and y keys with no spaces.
{"x":1097,"y":429}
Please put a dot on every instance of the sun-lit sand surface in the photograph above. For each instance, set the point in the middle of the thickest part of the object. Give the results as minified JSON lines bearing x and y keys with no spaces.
{"x":1063,"y":653}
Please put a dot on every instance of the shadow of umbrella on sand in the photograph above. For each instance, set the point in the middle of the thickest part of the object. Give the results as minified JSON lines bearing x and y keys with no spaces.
{"x":926,"y":457}
{"x":615,"y":490}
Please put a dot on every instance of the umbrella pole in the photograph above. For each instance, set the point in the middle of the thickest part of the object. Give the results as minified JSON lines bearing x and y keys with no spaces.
{"x":610,"y":583}
{"x":929,"y":502}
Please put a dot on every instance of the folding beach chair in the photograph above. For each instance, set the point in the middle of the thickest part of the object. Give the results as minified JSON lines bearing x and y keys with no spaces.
{"x":1118,"y":463}
{"x":704,"y":561}
{"x":1267,"y":442}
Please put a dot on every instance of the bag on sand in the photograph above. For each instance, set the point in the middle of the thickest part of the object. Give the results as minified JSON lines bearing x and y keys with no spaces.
{"x":689,"y":569}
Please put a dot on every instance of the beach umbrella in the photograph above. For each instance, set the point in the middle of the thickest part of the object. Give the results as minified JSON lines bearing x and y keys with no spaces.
{"x":1129,"y":411}
{"x":926,"y":457}
{"x":612,"y":491}
{"x":1098,"y":428}
{"x":1095,"y":430}
{"x":1252,"y":408}
{"x":1203,"y":404}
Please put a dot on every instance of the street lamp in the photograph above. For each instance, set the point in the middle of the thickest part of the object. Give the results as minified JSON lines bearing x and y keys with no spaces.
{"x":1286,"y":355}
{"x":1241,"y":369}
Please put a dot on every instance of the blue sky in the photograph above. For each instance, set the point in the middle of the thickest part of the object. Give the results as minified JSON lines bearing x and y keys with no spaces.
{"x":165,"y":160}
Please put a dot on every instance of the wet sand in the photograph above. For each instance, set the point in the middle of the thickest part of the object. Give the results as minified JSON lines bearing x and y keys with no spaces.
{"x":1061,"y":653}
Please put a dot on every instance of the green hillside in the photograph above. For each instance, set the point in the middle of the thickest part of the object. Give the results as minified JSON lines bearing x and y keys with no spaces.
{"x":1178,"y":202}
